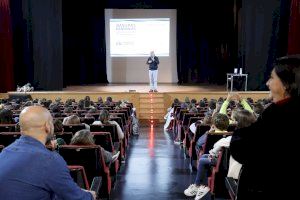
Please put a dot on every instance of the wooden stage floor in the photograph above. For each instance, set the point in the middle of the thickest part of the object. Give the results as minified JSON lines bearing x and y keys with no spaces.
{"x":143,"y":88}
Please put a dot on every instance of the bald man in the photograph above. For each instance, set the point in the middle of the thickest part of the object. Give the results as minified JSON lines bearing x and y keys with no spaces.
{"x":29,"y":171}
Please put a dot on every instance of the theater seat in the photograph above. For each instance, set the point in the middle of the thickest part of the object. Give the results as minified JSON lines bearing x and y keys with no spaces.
{"x":216,"y":182}
{"x":91,"y":158}
{"x":79,"y":176}
{"x":6,"y":138}
{"x":7,"y":127}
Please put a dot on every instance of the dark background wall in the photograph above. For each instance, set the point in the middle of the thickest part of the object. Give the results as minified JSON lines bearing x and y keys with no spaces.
{"x":58,"y":43}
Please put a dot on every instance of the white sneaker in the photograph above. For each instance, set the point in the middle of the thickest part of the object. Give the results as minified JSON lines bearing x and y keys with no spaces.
{"x":191,"y":190}
{"x":202,"y":192}
{"x":115,"y":157}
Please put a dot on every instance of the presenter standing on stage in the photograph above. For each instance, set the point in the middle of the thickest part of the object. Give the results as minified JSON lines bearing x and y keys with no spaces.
{"x":153,"y":69}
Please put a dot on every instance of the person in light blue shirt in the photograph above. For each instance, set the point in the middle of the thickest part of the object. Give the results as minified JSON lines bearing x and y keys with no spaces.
{"x":29,"y":171}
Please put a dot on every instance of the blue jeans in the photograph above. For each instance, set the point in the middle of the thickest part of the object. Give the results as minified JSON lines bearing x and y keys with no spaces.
{"x":203,"y":167}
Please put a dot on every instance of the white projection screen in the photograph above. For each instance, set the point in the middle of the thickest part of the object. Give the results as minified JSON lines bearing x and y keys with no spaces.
{"x":130,"y":36}
{"x":134,"y":37}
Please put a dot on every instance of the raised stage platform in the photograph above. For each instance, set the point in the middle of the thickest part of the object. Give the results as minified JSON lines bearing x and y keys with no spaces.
{"x":148,"y":105}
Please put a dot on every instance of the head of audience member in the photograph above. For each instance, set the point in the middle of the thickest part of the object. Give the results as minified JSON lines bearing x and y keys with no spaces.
{"x":202,"y":104}
{"x":258,"y":108}
{"x":72,"y":120}
{"x":175,"y":102}
{"x":193,"y":101}
{"x":6,"y":116}
{"x":100,"y":100}
{"x":205,"y":99}
{"x":193,"y":109}
{"x":68,"y":110}
{"x":250,"y":100}
{"x":87,"y":102}
{"x":187,"y":100}
{"x":212,"y":104}
{"x":221,"y":100}
{"x":68,"y":103}
{"x":82,"y":137}
{"x":57,"y":100}
{"x":104,"y":116}
{"x":243,"y":118}
{"x":220,"y":122}
{"x":36,"y":122}
{"x":207,"y":120}
{"x":58,"y":126}
{"x":80,"y":104}
{"x":284,"y":81}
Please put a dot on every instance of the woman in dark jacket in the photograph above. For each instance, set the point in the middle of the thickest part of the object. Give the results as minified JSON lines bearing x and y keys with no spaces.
{"x":260,"y":147}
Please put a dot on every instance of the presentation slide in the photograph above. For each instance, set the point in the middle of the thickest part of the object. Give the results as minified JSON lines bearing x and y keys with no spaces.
{"x":137,"y":37}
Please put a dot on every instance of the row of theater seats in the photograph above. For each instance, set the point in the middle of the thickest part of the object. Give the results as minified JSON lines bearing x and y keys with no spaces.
{"x":220,"y":186}
{"x":86,"y":163}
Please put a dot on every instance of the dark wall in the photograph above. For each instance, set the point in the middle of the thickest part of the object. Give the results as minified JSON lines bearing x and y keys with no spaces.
{"x":37,"y":37}
{"x":262,"y":38}
{"x":84,"y":42}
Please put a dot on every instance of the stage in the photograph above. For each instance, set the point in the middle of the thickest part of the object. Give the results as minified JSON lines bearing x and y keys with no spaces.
{"x":142,"y":88}
{"x":149,"y":106}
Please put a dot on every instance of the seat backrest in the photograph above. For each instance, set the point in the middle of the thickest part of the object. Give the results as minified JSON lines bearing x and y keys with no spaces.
{"x":89,"y":157}
{"x":118,"y":120}
{"x":121,"y":115}
{"x":6,"y":138}
{"x":111,"y":128}
{"x":7,"y":127}
{"x":121,"y":111}
{"x":187,"y":116}
{"x":66,"y":136}
{"x":194,"y":119}
{"x":87,"y":120}
{"x":200,"y":130}
{"x":104,"y":140}
{"x":74,"y":128}
{"x":78,"y":174}
{"x":212,"y":138}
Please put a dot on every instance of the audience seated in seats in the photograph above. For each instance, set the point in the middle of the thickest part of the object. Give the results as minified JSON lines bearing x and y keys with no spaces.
{"x":104,"y":119}
{"x":68,"y":110}
{"x":100,"y":100}
{"x":234,"y":98}
{"x":84,"y":137}
{"x":169,"y":116}
{"x":207,"y":120}
{"x":211,"y":107}
{"x":80,"y":105}
{"x":272,"y":134}
{"x":28,"y":170}
{"x":220,"y":123}
{"x":200,"y":188}
{"x":56,"y":110}
{"x":6,"y":116}
{"x":243,"y":118}
{"x":109,"y":101}
{"x":58,"y":127}
{"x":74,"y":120}
{"x":87,"y":102}
{"x":135,"y":123}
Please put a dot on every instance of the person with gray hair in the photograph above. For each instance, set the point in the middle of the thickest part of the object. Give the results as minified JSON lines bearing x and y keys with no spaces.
{"x":153,"y":62}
